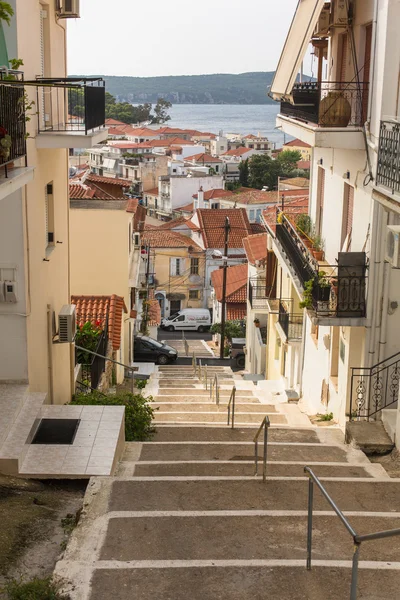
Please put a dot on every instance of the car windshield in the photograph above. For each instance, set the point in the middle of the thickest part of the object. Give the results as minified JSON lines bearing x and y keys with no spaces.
{"x":151,"y":341}
{"x":172,"y":317}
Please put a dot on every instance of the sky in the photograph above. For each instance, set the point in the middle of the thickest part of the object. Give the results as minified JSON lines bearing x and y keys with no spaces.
{"x":177,"y":37}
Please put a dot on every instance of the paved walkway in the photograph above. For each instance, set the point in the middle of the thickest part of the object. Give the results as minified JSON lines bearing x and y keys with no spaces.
{"x":185,"y":517}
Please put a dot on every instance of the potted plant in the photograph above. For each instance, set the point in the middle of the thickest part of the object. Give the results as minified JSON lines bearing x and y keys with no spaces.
{"x":318,"y":247}
{"x":323,"y":286}
{"x":5,"y":144}
{"x":257,"y":322}
{"x":307,"y":294}
{"x":304,"y":227}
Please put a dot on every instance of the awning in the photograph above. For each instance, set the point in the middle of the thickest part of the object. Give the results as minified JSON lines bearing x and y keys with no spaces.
{"x":109,"y":163}
{"x":295,"y":48}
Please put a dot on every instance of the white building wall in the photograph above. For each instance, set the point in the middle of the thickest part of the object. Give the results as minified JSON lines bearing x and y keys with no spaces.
{"x":183,"y":188}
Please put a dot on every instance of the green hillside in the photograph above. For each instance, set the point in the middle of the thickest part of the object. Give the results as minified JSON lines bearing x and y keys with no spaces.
{"x":246,"y":88}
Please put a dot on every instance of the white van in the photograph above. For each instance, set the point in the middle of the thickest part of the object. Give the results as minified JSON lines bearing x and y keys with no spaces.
{"x":188,"y":319}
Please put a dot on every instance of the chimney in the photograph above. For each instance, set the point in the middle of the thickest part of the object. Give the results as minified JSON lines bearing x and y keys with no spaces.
{"x":200,"y":198}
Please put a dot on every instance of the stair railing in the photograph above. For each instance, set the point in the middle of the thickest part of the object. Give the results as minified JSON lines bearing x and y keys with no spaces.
{"x":115,"y":362}
{"x":264,"y":425}
{"x":194,"y":364}
{"x":357,"y":539}
{"x":214,"y":387}
{"x":231,"y":403}
{"x":205,"y":377}
{"x":185,"y":343}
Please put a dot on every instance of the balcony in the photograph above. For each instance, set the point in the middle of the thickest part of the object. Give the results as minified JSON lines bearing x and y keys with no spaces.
{"x":326,"y":114}
{"x":12,"y":134}
{"x":298,"y":257}
{"x":71,"y":112}
{"x":291,"y":324}
{"x":388,"y":170}
{"x":259,"y":294}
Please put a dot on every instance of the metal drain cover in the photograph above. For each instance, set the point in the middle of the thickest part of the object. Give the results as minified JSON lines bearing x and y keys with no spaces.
{"x":56,"y":431}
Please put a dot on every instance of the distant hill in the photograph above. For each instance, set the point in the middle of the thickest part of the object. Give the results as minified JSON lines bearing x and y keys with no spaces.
{"x":246,"y":88}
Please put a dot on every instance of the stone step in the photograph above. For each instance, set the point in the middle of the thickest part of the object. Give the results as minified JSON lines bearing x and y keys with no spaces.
{"x":232,"y":469}
{"x":203,"y":392}
{"x":191,"y":407}
{"x":203,"y":398}
{"x":224,"y":434}
{"x":188,"y":383}
{"x":154,"y":451}
{"x":212,"y":582}
{"x":242,"y":537}
{"x":215,"y":417}
{"x":251,"y":494}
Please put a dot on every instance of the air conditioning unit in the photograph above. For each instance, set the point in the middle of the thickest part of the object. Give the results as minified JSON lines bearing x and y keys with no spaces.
{"x":392,"y":255}
{"x":67,"y":324}
{"x":68,"y":9}
{"x":322,"y":26}
{"x":340,"y":14}
{"x":136,"y":239}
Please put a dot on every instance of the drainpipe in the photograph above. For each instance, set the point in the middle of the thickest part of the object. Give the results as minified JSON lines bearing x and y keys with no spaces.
{"x":384,"y":312}
{"x":378,"y":278}
{"x":50,"y":353}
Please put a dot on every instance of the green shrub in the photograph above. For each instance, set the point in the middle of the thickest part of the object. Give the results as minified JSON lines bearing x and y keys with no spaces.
{"x":36,"y":589}
{"x":138,"y":412}
{"x":87,"y":337}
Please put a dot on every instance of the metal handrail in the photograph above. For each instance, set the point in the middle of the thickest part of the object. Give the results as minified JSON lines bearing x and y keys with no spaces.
{"x":232,"y":402}
{"x":357,"y":539}
{"x":264,"y":425}
{"x":115,"y":362}
{"x":205,"y":377}
{"x":194,"y":364}
{"x":185,"y":343}
{"x":215,"y":385}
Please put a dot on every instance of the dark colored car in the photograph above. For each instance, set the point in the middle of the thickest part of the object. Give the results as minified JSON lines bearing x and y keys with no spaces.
{"x":237,"y":351}
{"x":146,"y":349}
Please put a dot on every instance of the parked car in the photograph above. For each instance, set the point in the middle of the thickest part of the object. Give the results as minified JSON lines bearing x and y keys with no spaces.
{"x":188,"y":319}
{"x":146,"y":349}
{"x":237,"y":351}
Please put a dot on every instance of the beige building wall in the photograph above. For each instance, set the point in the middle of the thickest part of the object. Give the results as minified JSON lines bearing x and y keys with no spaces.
{"x":100,"y":256}
{"x":151,"y":171}
{"x":305,"y":152}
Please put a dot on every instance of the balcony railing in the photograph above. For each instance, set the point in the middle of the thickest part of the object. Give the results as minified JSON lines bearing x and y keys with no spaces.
{"x":12,"y":118}
{"x":388,"y":171}
{"x":291,"y":324}
{"x":259,"y":293}
{"x":70,"y":104}
{"x":298,"y":255}
{"x":328,"y":104}
{"x":340,"y":290}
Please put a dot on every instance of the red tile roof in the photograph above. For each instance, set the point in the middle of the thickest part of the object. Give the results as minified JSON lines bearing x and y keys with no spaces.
{"x":132,"y":205}
{"x":236,"y":312}
{"x":130,"y":145}
{"x":187,"y":208}
{"x":299,"y":182}
{"x":125,"y":183}
{"x":236,"y":283}
{"x":179,"y":221}
{"x":143,"y":132}
{"x":297,"y":142}
{"x":274,"y":196}
{"x":96,"y":309}
{"x":204,"y":158}
{"x":117,"y":131}
{"x":256,"y":247}
{"x":113,"y":122}
{"x":211,"y":224}
{"x":170,"y":142}
{"x":161,"y":238}
{"x":250,"y":197}
{"x":303,"y":164}
{"x":78,"y":190}
{"x":218,"y":193}
{"x":152,"y":192}
{"x":237,"y":151}
{"x":256,"y":228}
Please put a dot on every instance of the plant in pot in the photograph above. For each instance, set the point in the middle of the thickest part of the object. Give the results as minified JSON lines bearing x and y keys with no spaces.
{"x":5,"y":144}
{"x":257,"y":322}
{"x":323,"y":286}
{"x":307,"y":294}
{"x":318,"y":247}
{"x":304,"y":227}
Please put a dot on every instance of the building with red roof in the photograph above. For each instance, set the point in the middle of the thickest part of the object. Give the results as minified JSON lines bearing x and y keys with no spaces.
{"x":235,"y":296}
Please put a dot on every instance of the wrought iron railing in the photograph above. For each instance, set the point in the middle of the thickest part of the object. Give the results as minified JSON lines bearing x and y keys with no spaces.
{"x":12,"y":117}
{"x":375,"y":388}
{"x":388,"y":170}
{"x":328,"y":103}
{"x":95,"y":367}
{"x":70,"y":104}
{"x":298,"y":255}
{"x":259,"y":293}
{"x":291,"y":324}
{"x":231,"y":408}
{"x":265,"y":424}
{"x":340,"y":290}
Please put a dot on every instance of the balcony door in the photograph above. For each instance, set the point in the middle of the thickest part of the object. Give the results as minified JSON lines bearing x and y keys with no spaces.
{"x":343,"y":44}
{"x":347,"y":217}
{"x":320,"y":200}
{"x":366,"y":71}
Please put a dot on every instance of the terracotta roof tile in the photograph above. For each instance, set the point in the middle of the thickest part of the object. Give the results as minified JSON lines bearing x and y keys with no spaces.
{"x":113,"y":122}
{"x":212,"y":221}
{"x":152,"y":192}
{"x":78,"y":190}
{"x":297,"y":142}
{"x":157,"y":238}
{"x":96,"y":309}
{"x":217,"y":193}
{"x":256,"y":228}
{"x":132,"y":205}
{"x":204,"y":158}
{"x":236,"y":283}
{"x":126,"y":183}
{"x":256,"y":247}
{"x":236,"y":312}
{"x":187,"y":208}
{"x":300,"y":182}
{"x":237,"y":151}
{"x":303,"y":164}
{"x":292,"y":207}
{"x":178,"y":222}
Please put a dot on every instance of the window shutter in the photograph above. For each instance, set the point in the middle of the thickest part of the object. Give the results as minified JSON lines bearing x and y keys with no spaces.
{"x":347,"y":219}
{"x":172,"y":267}
{"x":320,"y":199}
{"x":46,"y":213}
{"x":367,"y":69}
{"x":344,"y":43}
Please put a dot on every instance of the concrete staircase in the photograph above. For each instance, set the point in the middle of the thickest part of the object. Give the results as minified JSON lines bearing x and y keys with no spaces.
{"x":186,"y":517}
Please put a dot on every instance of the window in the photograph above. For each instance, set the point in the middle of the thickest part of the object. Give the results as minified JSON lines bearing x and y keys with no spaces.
{"x":180,"y":318}
{"x":174,"y":170}
{"x":176,"y":267}
{"x":194,"y":266}
{"x":194,"y":294}
{"x":215,"y":205}
{"x":258,"y":215}
{"x":216,"y":168}
{"x":49,"y":216}
{"x":347,"y":216}
{"x":251,"y":215}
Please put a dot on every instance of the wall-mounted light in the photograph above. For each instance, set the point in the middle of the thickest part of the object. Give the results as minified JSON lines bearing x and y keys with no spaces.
{"x":346,"y":175}
{"x":321,"y":161}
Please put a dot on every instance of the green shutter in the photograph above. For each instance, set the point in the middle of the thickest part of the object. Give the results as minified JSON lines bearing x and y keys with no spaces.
{"x":3,"y":49}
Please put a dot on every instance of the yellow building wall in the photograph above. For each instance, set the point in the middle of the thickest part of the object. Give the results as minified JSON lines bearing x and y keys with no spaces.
{"x":178,"y":284}
{"x":305,"y":152}
{"x":49,"y":365}
{"x":100,"y":257}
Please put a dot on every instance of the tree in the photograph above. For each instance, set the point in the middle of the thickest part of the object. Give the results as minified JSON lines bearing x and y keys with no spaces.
{"x":265,"y":171}
{"x":244,"y":173}
{"x":160,"y":111}
{"x":6,"y":12}
{"x":288,"y":160}
{"x":232,"y":329}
